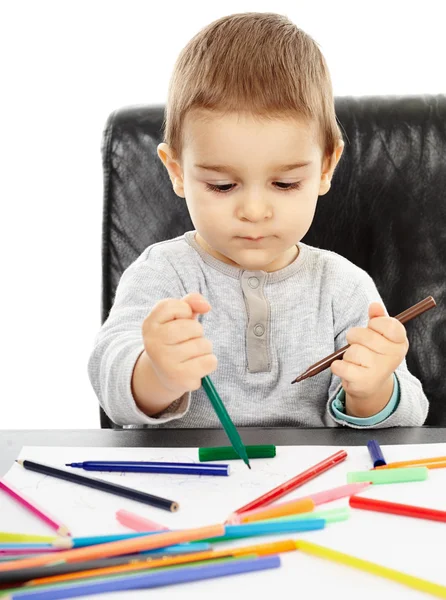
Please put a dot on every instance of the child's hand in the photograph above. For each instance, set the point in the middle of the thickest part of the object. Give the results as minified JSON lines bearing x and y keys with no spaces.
{"x":175,"y":344}
{"x":367,"y":367}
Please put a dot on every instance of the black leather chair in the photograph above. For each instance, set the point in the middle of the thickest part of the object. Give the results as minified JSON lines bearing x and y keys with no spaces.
{"x":386,"y":211}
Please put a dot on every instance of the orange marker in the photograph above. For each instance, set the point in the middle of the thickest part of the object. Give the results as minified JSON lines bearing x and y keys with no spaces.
{"x":259,"y":550}
{"x":295,"y":507}
{"x":128,"y":546}
{"x":430,"y":463}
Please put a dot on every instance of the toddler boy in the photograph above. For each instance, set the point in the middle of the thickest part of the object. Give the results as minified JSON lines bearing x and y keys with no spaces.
{"x":251,"y":142}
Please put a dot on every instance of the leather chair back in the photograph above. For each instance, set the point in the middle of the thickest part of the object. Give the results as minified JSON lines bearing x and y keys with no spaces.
{"x":385,"y":212}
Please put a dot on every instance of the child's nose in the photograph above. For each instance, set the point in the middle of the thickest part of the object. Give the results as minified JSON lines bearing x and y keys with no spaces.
{"x":254,"y":208}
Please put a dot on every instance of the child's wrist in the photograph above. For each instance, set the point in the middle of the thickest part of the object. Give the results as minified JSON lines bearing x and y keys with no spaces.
{"x":367,"y":406}
{"x":150,"y":393}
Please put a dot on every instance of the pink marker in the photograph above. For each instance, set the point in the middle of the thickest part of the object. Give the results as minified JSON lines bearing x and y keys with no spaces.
{"x":343,"y":491}
{"x":137,"y":523}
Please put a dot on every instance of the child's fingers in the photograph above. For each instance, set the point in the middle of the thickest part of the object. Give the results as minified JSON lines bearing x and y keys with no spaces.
{"x":390,"y":328}
{"x":376,"y":309}
{"x":194,"y":369}
{"x":197,"y":303}
{"x":359,"y":355}
{"x":170,"y":309}
{"x":371,"y":339}
{"x":193,"y":349}
{"x":181,"y":330}
{"x":348,"y":371}
{"x":170,"y":357}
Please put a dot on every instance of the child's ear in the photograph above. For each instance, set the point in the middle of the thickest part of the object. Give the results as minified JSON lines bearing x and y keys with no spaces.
{"x":173,"y":167}
{"x":328,"y":168}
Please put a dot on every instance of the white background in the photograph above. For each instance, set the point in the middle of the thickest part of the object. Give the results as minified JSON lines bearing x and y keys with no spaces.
{"x":65,"y":65}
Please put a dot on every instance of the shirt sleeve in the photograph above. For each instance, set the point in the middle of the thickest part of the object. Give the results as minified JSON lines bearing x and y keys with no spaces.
{"x":338,"y":408}
{"x":350,"y":309}
{"x":119,"y":344}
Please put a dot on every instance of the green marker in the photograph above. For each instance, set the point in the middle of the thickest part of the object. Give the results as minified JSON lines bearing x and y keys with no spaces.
{"x":389,"y":475}
{"x":225,"y":419}
{"x":228,"y":453}
{"x":332,"y":515}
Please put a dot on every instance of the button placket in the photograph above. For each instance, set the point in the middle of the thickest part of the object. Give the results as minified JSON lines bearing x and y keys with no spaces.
{"x":259,"y":330}
{"x":253,"y":282}
{"x":257,"y":347}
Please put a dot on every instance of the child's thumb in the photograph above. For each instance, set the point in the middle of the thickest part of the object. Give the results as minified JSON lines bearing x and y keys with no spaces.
{"x":197,"y":303}
{"x":376,"y":310}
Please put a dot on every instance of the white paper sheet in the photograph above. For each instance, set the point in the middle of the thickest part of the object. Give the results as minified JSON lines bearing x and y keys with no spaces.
{"x":414,"y":546}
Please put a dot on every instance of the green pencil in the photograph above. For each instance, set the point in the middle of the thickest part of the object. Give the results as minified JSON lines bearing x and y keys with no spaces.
{"x":225,"y":419}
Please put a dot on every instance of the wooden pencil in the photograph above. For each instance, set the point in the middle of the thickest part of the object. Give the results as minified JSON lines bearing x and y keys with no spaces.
{"x":34,"y":509}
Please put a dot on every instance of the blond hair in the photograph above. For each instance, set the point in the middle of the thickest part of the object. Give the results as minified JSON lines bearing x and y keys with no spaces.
{"x":260,"y":63}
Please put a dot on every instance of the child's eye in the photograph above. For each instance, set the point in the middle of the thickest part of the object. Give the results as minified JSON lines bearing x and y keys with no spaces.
{"x":227,"y":187}
{"x":221,"y":189}
{"x":287,"y":186}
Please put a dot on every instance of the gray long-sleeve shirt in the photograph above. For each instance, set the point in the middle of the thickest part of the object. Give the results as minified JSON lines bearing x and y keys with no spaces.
{"x":266,"y":328}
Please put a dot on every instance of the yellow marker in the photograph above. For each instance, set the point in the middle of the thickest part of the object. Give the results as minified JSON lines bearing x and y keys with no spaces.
{"x":435,"y":589}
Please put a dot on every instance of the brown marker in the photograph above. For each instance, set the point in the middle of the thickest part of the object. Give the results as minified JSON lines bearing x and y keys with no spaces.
{"x":407,"y":315}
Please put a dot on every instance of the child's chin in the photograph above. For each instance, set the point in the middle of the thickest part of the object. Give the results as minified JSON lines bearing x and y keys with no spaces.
{"x":253,"y":260}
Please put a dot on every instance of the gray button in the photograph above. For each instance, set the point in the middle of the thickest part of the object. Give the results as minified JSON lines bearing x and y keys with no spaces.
{"x":253,"y":282}
{"x":259,"y":330}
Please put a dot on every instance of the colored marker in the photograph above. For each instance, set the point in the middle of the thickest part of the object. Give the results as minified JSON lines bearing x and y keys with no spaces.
{"x":304,"y":505}
{"x":127,"y":546}
{"x":376,"y":453}
{"x":225,"y":419}
{"x":138,"y":523}
{"x":389,"y":475}
{"x":295,"y":482}
{"x":416,"y":583}
{"x":93,"y":568}
{"x":152,"y":467}
{"x":394,"y":508}
{"x":228,"y":453}
{"x":430,"y":463}
{"x":243,"y":530}
{"x":163,"y":577}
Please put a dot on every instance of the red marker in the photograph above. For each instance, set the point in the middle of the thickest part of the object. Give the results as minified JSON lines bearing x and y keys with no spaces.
{"x":295,"y":482}
{"x":393,"y":508}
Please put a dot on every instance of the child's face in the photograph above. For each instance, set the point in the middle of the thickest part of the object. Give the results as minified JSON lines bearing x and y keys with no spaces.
{"x":248,"y":199}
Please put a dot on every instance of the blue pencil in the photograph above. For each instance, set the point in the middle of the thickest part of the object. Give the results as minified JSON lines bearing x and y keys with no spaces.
{"x":149,"y":580}
{"x":153,"y":467}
